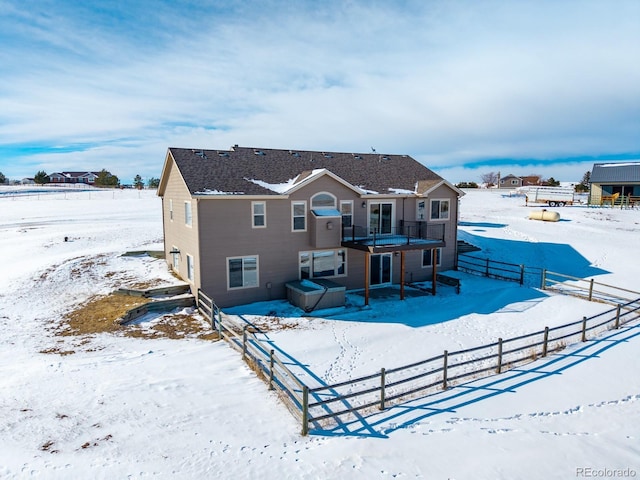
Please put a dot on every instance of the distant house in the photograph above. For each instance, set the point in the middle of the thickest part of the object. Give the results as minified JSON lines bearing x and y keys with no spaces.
{"x":74,"y":177}
{"x":28,"y":181}
{"x":510,"y":181}
{"x":531,"y":180}
{"x":615,"y":183}
{"x":246,"y":225}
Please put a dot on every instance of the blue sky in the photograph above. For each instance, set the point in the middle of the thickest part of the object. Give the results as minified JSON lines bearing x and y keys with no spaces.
{"x":466,"y":87}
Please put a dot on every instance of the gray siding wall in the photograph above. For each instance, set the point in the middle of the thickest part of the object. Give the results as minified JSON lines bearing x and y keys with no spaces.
{"x":226,"y":231}
{"x":176,"y":233}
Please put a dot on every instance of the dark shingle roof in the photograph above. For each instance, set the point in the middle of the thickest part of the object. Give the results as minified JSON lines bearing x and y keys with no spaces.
{"x":237,"y":170}
{"x":615,"y":172}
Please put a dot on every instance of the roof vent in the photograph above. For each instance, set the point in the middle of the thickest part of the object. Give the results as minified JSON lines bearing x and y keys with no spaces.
{"x":201,"y":154}
{"x":357,"y":157}
{"x":295,"y":154}
{"x":386,"y":158}
{"x":258,"y":152}
{"x":223,"y":154}
{"x":327,"y":155}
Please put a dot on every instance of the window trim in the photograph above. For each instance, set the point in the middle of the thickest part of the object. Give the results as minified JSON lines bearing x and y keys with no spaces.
{"x":424,"y":209}
{"x":188,"y":213}
{"x":175,"y":259}
{"x":336,"y":263}
{"x":254,"y":215}
{"x":293,"y":216}
{"x":191,"y":269}
{"x":392,"y":220}
{"x":171,"y":209}
{"x":342,"y":215}
{"x":438,"y":257}
{"x":243,"y":286}
{"x":324,"y":207}
{"x":440,"y":217}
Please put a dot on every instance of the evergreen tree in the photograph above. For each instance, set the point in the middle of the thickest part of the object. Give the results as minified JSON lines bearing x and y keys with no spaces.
{"x":153,"y":182}
{"x":106,"y":179}
{"x":551,"y":182}
{"x":41,"y":177}
{"x":583,"y":186}
{"x":3,"y":179}
{"x":138,"y":183}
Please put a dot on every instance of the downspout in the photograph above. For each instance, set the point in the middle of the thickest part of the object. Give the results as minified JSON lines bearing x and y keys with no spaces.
{"x":455,"y":258}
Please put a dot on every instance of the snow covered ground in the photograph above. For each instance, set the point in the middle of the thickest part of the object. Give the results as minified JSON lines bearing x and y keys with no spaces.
{"x":121,"y":407}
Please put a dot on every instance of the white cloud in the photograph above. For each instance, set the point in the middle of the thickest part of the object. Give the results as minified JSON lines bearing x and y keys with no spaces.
{"x":448,"y":83}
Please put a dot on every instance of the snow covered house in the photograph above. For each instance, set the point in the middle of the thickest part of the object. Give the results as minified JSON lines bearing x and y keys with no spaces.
{"x":246,"y":224}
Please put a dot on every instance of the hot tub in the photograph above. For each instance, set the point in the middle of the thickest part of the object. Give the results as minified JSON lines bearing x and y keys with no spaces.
{"x":315,"y":294}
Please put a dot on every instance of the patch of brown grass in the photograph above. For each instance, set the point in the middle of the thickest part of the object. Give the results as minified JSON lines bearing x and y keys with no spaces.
{"x":174,"y":326}
{"x":270,"y":324}
{"x":100,"y":314}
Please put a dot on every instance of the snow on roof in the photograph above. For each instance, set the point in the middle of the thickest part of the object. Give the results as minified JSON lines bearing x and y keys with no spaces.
{"x":206,"y":191}
{"x":364,"y":190}
{"x":401,"y":191}
{"x":274,"y":187}
{"x":628,"y":164}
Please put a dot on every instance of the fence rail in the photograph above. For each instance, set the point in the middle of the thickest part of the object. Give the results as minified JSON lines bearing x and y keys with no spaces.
{"x":587,"y":289}
{"x":326,"y":405}
{"x":386,"y":387}
{"x":262,"y":360}
{"x":511,"y":272}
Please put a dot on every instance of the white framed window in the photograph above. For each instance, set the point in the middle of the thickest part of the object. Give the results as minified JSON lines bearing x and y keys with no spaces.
{"x":171,"y":209}
{"x":242,"y":272}
{"x":258,"y":214}
{"x":323,"y":200}
{"x":187,"y":213}
{"x":190,"y":268}
{"x":381,"y":217}
{"x":299,"y":216}
{"x":421,"y":210}
{"x":346,"y":210}
{"x":427,"y":257}
{"x":323,"y":263}
{"x":175,"y":258}
{"x":439,"y":209}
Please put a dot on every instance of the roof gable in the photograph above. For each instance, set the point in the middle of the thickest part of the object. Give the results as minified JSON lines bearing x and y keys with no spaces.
{"x":250,"y":171}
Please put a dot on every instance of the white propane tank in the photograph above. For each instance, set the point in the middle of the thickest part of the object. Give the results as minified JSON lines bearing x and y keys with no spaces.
{"x":544,"y":215}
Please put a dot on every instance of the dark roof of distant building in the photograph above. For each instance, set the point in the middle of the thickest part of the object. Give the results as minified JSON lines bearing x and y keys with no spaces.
{"x":615,"y":172}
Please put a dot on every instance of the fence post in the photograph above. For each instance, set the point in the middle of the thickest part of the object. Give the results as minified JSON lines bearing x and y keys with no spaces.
{"x":584,"y":329}
{"x":591,"y":289}
{"x":271,"y":369}
{"x":545,"y":344}
{"x":305,"y":410}
{"x":383,"y":375}
{"x":486,"y":268}
{"x":244,"y":342}
{"x":499,"y":355}
{"x":544,"y":279}
{"x":444,"y":370}
{"x":618,"y":317}
{"x":219,"y":323}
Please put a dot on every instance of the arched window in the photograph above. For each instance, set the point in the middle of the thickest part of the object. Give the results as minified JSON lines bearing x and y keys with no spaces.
{"x":323,"y":200}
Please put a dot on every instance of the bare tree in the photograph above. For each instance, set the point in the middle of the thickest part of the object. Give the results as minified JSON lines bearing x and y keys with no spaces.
{"x":490,"y":179}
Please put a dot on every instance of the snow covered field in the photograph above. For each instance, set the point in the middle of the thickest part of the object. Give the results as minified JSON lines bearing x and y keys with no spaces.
{"x":121,"y":407}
